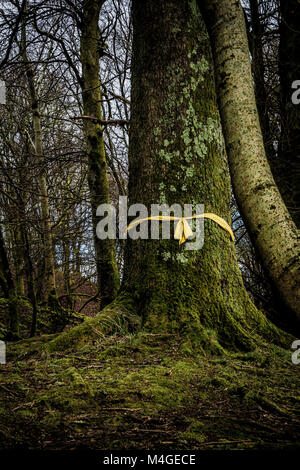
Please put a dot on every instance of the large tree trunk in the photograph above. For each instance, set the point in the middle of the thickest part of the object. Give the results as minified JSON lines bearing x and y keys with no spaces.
{"x":90,"y":51}
{"x":268,"y":221}
{"x":177,"y":155}
{"x":287,"y":168}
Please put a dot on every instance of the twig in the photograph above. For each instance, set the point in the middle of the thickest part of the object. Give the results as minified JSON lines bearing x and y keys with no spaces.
{"x":225,"y":442}
{"x":123,"y":409}
{"x":108,"y":122}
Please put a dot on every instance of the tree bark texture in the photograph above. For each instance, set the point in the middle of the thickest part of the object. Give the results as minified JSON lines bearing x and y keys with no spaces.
{"x":177,"y":155}
{"x":267,"y":219}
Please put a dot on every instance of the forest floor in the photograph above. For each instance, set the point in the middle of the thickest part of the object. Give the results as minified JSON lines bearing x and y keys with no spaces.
{"x":141,"y":392}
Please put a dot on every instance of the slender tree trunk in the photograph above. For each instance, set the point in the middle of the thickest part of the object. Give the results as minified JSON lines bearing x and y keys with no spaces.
{"x":76,"y":256}
{"x":17,"y":246}
{"x":90,"y":52}
{"x":267,"y":219}
{"x":286,"y":168}
{"x":7,"y":285}
{"x":67,"y":262}
{"x":38,"y":147}
{"x":177,"y":155}
{"x":39,"y":278}
{"x":29,"y":271}
{"x":76,"y":242}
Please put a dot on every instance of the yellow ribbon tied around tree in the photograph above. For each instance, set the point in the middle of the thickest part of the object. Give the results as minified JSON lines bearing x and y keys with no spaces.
{"x":183,"y":231}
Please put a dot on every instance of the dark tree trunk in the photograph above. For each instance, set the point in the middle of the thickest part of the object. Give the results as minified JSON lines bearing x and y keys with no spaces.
{"x":7,"y":285}
{"x":287,"y":168}
{"x":258,"y":69}
{"x":29,"y":272}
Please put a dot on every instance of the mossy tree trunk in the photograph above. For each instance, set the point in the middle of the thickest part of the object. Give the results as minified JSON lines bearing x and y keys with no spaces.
{"x":177,"y":155}
{"x":90,"y":53}
{"x":286,"y":169}
{"x":271,"y":228}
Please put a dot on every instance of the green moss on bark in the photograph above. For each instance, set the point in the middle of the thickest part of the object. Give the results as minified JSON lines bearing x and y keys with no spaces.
{"x":177,"y":155}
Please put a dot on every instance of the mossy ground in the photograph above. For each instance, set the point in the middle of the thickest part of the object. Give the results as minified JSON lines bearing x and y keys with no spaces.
{"x":143,"y":392}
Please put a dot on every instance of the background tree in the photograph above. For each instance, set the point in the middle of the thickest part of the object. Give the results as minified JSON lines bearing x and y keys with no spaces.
{"x":7,"y":285}
{"x":64,"y":164}
{"x":37,"y":142}
{"x":287,"y":171}
{"x":91,"y":50}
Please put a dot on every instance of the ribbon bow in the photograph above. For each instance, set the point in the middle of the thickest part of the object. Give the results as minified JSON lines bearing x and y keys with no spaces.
{"x":183,"y":231}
